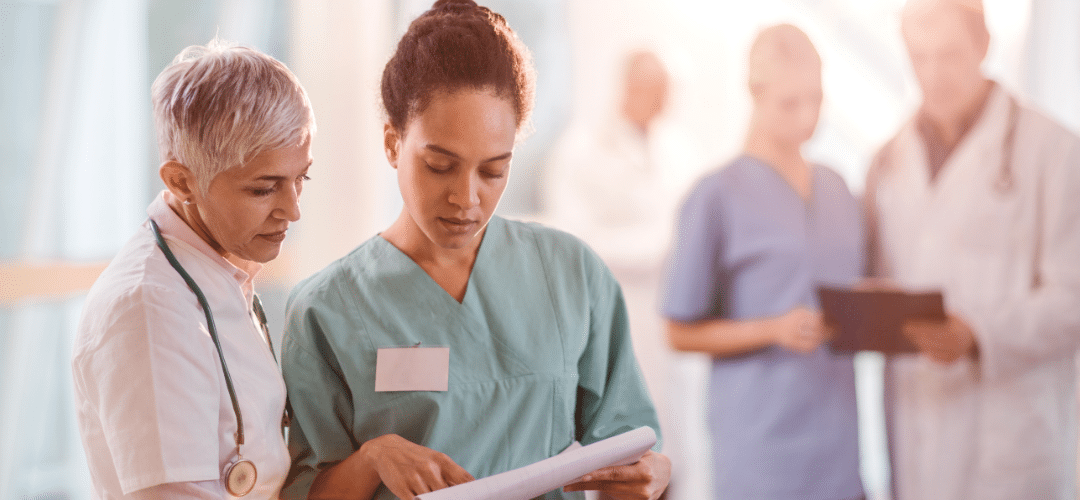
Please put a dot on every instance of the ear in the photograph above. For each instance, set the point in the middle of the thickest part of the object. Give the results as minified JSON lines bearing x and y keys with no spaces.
{"x":391,"y":143}
{"x":982,"y":43}
{"x":179,"y":180}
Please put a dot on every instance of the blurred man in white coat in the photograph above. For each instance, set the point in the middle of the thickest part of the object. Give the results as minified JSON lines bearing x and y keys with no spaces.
{"x":979,"y":196}
{"x":616,"y":182}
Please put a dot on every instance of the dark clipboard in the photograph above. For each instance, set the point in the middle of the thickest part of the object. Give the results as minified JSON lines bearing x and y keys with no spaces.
{"x":873,"y":320}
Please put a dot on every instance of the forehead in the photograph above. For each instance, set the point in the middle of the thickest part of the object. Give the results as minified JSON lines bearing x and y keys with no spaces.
{"x":646,"y":68}
{"x":289,"y":162}
{"x":939,"y":26}
{"x":792,"y":78}
{"x":467,"y":118}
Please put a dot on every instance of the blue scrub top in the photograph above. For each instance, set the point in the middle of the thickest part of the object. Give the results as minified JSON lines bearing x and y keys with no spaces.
{"x":540,"y":355}
{"x":747,"y":247}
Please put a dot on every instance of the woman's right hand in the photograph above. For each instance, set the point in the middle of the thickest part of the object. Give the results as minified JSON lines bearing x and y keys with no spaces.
{"x":408,"y":469}
{"x":800,"y":330}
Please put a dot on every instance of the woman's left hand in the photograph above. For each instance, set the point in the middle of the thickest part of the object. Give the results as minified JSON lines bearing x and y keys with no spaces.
{"x":645,"y":479}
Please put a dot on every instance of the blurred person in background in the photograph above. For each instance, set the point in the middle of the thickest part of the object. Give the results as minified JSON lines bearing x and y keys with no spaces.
{"x":977,"y":196}
{"x":753,"y":242}
{"x":615,"y":182}
{"x":534,"y":328}
{"x":173,"y":400}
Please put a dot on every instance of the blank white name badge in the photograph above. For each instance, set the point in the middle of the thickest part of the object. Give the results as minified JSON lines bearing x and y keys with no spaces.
{"x":412,"y":369}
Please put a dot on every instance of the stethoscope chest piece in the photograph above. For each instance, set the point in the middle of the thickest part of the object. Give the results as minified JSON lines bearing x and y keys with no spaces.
{"x":240,"y":477}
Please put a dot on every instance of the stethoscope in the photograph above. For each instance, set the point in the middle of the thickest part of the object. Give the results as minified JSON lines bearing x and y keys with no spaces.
{"x":1005,"y":179}
{"x":240,"y":475}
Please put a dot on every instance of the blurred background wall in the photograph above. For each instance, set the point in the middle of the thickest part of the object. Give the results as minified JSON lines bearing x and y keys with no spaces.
{"x":78,"y":162}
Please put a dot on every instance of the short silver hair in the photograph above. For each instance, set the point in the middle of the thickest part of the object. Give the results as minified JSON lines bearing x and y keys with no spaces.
{"x":217,"y":106}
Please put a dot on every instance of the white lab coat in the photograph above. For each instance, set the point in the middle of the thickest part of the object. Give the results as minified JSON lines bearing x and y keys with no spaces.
{"x":619,"y":190}
{"x":1002,"y":426}
{"x":153,"y":409}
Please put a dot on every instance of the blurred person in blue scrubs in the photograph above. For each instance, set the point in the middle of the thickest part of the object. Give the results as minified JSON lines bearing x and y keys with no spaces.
{"x":753,"y":242}
{"x":512,"y":339}
{"x":155,"y":411}
{"x":977,"y":196}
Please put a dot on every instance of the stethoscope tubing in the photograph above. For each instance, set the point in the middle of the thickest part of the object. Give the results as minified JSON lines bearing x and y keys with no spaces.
{"x":1005,"y":180}
{"x":209,"y":326}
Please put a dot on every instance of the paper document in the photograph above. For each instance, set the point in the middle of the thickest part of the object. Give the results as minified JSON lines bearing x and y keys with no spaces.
{"x":555,"y":472}
{"x":873,"y":320}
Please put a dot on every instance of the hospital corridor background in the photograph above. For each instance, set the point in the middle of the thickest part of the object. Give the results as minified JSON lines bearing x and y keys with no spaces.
{"x":78,"y":159}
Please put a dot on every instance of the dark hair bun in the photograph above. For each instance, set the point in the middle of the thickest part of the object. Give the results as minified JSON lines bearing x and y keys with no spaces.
{"x":454,"y":4}
{"x":455,"y":45}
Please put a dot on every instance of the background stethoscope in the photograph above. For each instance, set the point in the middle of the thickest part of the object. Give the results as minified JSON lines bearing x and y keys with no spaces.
{"x":240,"y":475}
{"x":1005,"y":180}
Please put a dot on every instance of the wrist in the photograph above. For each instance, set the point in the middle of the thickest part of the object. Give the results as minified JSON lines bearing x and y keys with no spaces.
{"x":366,"y":458}
{"x":366,"y":455}
{"x":771,"y":331}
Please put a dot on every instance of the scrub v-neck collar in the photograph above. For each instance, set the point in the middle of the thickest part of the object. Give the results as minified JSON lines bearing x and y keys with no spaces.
{"x":807,"y":203}
{"x":429,"y":283}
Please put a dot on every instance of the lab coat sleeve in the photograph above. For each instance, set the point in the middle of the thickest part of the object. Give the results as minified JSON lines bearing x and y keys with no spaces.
{"x":600,"y":194}
{"x":564,"y":203}
{"x":200,"y":490}
{"x":153,"y":382}
{"x":612,"y":397}
{"x":585,"y":184}
{"x":1042,"y":322}
{"x":322,"y":408}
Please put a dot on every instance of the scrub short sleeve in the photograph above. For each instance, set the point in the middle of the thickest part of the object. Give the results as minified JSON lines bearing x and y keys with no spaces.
{"x":322,"y":408}
{"x":691,"y":289}
{"x":612,"y":397}
{"x":154,"y":381}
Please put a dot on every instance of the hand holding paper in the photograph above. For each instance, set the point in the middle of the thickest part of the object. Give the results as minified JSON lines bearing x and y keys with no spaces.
{"x":546,"y":475}
{"x":645,"y":479}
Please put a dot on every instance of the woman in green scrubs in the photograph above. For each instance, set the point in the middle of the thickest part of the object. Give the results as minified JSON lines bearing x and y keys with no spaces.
{"x":456,"y":344}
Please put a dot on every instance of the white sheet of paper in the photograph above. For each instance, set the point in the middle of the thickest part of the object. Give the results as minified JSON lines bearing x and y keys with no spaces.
{"x":412,"y":369}
{"x":555,"y":472}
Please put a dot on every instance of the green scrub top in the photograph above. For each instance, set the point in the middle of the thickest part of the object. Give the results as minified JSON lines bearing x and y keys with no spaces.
{"x":540,"y":355}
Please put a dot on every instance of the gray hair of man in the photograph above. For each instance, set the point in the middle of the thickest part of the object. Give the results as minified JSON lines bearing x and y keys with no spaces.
{"x":972,"y":11}
{"x":219,"y":105}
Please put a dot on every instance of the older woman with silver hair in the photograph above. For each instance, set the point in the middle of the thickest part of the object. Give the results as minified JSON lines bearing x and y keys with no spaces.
{"x":177,"y":389}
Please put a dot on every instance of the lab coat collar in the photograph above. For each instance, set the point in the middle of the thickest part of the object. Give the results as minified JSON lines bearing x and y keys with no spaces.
{"x":173,"y":227}
{"x":938,"y":150}
{"x":931,"y":132}
{"x":977,"y":141}
{"x":982,"y":142}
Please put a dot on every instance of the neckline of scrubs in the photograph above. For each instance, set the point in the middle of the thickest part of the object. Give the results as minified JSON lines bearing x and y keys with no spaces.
{"x":470,"y":285}
{"x":806,"y":203}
